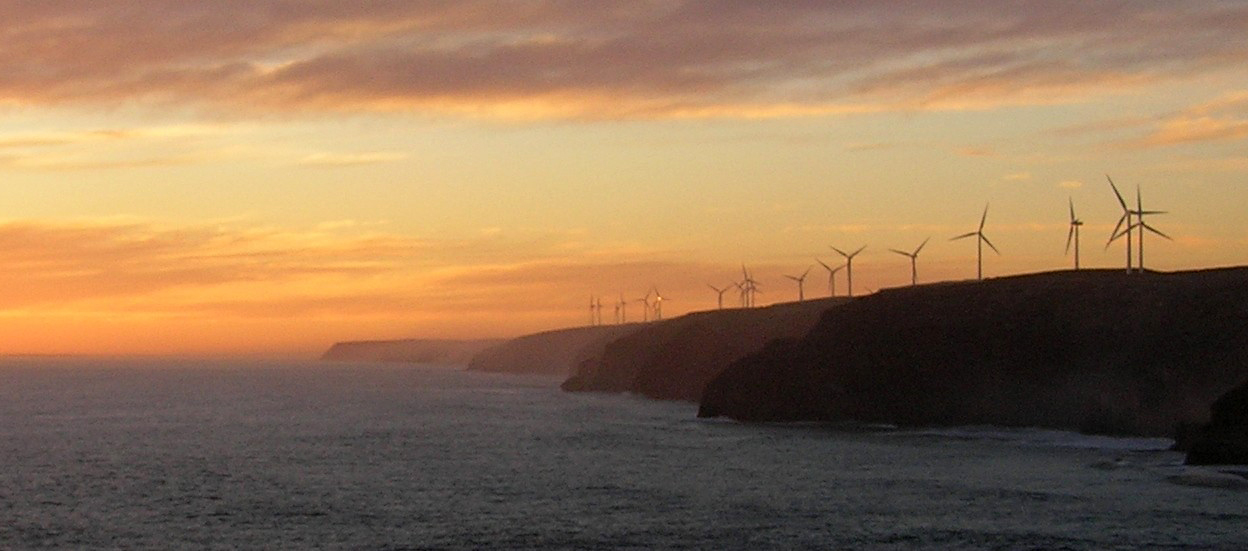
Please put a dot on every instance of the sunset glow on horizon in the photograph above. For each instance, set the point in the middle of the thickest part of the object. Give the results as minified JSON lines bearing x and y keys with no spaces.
{"x":267,"y":178}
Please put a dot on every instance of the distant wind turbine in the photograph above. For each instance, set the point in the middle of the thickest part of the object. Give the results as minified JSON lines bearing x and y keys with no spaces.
{"x":719,"y":295}
{"x":1073,"y":234}
{"x":623,"y":304}
{"x":914,"y":259}
{"x":801,"y":282}
{"x":831,"y":276}
{"x":1124,"y":219}
{"x":849,"y":267}
{"x":979,"y":242}
{"x":658,"y":304}
{"x":749,"y":288}
{"x":645,"y":311}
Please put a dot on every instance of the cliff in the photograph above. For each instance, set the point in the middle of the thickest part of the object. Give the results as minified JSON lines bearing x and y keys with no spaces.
{"x":675,"y":359}
{"x":1095,"y":351}
{"x":556,"y":352}
{"x":435,"y":351}
{"x":1224,"y":441}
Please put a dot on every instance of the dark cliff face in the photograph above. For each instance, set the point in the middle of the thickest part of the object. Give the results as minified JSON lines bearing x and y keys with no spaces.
{"x":675,"y":359}
{"x":556,"y":352}
{"x":433,"y":351}
{"x":1224,"y":441}
{"x":1097,"y":351}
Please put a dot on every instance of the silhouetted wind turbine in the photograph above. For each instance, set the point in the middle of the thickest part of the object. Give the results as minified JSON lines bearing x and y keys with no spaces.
{"x":831,"y":276}
{"x":849,"y":267}
{"x":591,"y":311}
{"x":914,"y":259}
{"x":1125,"y":218}
{"x":1073,"y":234}
{"x":1139,"y":213}
{"x":749,"y":287}
{"x":979,"y":245}
{"x":801,"y":283}
{"x":645,"y":312}
{"x":719,"y":295}
{"x":623,"y":310}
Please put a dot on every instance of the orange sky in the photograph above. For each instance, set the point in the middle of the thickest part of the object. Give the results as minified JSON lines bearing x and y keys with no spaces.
{"x":266,"y":178}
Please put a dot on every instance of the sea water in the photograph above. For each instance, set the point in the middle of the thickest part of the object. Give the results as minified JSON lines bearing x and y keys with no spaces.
{"x":168,"y":454}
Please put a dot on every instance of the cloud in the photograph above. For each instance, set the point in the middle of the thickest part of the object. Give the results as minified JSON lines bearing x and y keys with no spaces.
{"x":1017,"y":177}
{"x":351,"y":159}
{"x":1224,"y":119}
{"x":614,"y":59}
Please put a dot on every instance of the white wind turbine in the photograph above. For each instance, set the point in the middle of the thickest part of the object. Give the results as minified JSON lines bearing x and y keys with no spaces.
{"x":914,"y":260}
{"x":801,"y":282}
{"x":831,"y":276}
{"x":849,"y":267}
{"x":1125,"y":218}
{"x":1073,"y":234}
{"x":719,"y":295}
{"x":658,"y":304}
{"x":980,"y":240}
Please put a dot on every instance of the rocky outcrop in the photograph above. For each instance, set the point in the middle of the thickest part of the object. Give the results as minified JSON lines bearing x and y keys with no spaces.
{"x":674,"y":359}
{"x":1096,"y":351}
{"x":432,"y":351}
{"x":1224,"y":441}
{"x":551,"y":352}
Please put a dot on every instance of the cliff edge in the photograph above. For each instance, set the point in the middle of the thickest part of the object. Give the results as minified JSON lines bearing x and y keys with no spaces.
{"x":556,"y":352}
{"x":674,"y":359}
{"x":1095,"y":350}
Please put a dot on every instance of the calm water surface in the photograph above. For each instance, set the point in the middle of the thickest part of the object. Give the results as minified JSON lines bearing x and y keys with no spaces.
{"x":165,"y":454}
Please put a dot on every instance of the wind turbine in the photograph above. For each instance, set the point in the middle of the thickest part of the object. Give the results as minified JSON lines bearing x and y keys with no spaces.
{"x":1073,"y":234}
{"x":720,"y":295}
{"x":749,"y":287}
{"x":831,"y":276}
{"x":1139,"y":213}
{"x":914,"y":259}
{"x":592,"y":317}
{"x":849,"y":267}
{"x":979,"y":244}
{"x":598,"y":311}
{"x":623,"y":310}
{"x":1125,"y":218}
{"x":645,"y":312}
{"x":801,"y":282}
{"x":658,"y":304}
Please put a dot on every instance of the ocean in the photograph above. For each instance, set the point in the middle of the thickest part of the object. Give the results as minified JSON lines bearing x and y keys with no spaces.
{"x":200,"y":454}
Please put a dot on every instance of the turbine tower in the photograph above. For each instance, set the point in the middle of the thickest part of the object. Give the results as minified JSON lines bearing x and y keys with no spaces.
{"x":749,"y":288}
{"x":1073,"y":234}
{"x":658,"y":304}
{"x":623,"y":304}
{"x":979,"y":244}
{"x":849,"y":267}
{"x":801,"y":283}
{"x":914,"y":259}
{"x":831,"y":276}
{"x":719,"y":295}
{"x":1125,"y":218}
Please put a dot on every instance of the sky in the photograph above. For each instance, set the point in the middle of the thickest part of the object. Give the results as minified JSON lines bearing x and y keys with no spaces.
{"x":268,"y":177}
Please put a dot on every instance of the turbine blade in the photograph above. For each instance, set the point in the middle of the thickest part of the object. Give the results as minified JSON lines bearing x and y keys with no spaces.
{"x":902,"y":253}
{"x":806,"y":272}
{"x":1072,"y":211}
{"x":1113,"y":235}
{"x":825,"y":266}
{"x":842,"y":253}
{"x":985,"y":238}
{"x":1069,"y":236}
{"x":983,"y":218}
{"x":859,"y":250}
{"x":1116,"y":194}
{"x":1151,"y":212}
{"x":964,"y":236}
{"x":1156,"y":231}
{"x":921,"y":245}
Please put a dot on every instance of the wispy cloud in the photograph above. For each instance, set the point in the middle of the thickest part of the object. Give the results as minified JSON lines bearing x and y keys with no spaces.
{"x":351,"y":159}
{"x":614,"y":59}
